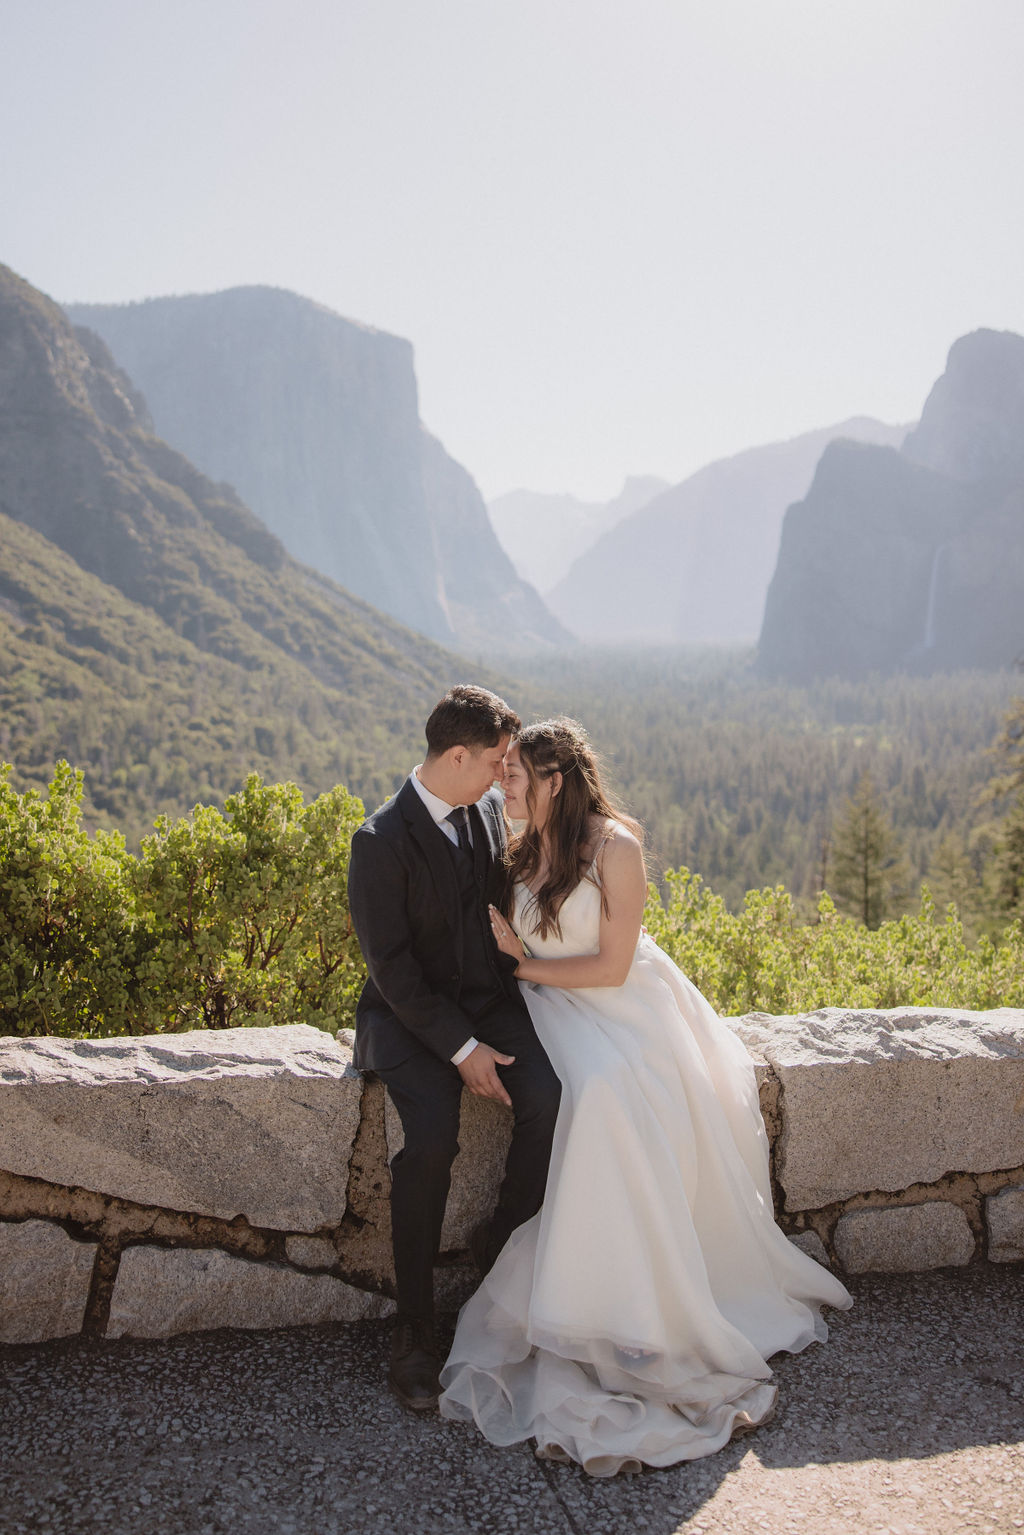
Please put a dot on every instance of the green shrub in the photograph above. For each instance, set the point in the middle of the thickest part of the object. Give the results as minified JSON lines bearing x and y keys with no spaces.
{"x":246,"y":912}
{"x":761,"y":959}
{"x":67,"y":922}
{"x":226,"y":918}
{"x":241,"y":916}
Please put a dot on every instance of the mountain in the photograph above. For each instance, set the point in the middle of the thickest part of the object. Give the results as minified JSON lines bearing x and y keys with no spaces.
{"x":912,"y":560}
{"x":152,"y":629}
{"x":693,"y":565}
{"x":972,"y":425}
{"x":544,"y":534}
{"x":314,"y":420}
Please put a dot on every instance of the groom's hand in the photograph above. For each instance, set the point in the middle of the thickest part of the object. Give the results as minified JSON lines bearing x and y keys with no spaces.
{"x":479,"y":1072}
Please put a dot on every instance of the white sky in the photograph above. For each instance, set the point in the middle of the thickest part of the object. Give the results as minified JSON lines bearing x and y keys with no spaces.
{"x":624,"y":236}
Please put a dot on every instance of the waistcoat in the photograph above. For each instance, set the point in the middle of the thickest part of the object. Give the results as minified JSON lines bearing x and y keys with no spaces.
{"x":481,"y":983}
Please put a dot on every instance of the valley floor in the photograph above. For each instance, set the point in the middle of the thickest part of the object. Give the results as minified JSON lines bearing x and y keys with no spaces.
{"x":910,"y":1419}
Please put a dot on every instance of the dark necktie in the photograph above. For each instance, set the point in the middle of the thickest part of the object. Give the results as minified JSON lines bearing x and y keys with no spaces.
{"x":459,"y":820}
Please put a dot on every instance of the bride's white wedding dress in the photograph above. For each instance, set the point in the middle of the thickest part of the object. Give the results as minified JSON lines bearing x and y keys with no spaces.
{"x":630,"y":1320}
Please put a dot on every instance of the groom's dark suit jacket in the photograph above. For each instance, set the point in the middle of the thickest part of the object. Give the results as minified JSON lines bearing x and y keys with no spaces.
{"x":410,"y":919}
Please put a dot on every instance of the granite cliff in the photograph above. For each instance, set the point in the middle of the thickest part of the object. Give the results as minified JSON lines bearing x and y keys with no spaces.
{"x":152,"y":629}
{"x":972,"y":425}
{"x":315,"y":421}
{"x":912,"y":560}
{"x":692,"y":566}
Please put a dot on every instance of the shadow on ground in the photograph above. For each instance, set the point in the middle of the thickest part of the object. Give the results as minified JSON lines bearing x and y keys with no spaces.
{"x":910,"y":1419}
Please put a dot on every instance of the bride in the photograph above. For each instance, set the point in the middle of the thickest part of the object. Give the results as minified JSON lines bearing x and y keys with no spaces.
{"x":628,"y":1323}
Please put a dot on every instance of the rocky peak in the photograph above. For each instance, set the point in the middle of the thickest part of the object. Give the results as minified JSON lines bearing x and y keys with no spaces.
{"x":972,"y":425}
{"x":912,"y":560}
{"x":314,"y":419}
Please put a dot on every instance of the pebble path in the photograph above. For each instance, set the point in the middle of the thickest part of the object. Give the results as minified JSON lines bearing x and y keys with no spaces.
{"x":909,"y":1421}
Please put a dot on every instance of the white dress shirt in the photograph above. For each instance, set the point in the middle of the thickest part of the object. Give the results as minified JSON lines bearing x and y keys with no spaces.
{"x":439,"y":808}
{"x":439,"y":811}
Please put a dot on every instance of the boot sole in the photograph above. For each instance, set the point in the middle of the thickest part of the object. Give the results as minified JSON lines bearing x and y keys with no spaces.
{"x":415,"y":1403}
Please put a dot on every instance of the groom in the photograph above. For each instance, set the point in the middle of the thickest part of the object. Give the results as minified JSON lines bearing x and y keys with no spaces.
{"x":440,"y":1008}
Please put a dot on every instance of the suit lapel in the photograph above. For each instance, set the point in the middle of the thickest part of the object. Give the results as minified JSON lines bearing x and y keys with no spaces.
{"x":430,"y":840}
{"x":483,"y":849}
{"x":488,"y":828}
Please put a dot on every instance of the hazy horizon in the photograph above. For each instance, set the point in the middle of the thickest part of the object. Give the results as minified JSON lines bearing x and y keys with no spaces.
{"x":622,"y":242}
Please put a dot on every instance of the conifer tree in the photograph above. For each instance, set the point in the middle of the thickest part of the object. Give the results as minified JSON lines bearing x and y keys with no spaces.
{"x":868,"y":868}
{"x":953,"y":878}
{"x":1009,"y":850}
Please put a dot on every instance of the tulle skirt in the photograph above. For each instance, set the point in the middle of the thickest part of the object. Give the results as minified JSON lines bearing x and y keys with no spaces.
{"x":630,"y":1322}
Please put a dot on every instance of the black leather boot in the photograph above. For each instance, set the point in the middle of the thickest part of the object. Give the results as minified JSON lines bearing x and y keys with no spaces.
{"x":414,"y":1363}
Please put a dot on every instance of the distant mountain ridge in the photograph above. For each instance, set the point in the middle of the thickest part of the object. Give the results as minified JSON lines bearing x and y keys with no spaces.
{"x":972,"y":425}
{"x":544,"y":533}
{"x":314,"y":420}
{"x":693,"y":565}
{"x":912,"y":560}
{"x":151,"y":627}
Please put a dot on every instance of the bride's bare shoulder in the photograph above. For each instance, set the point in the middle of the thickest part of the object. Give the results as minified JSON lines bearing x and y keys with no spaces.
{"x":608,"y":836}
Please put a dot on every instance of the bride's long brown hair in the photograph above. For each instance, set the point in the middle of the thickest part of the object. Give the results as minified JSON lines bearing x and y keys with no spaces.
{"x":560,"y":746}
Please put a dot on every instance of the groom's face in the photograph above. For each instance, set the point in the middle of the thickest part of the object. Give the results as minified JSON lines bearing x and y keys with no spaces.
{"x":481,"y":767}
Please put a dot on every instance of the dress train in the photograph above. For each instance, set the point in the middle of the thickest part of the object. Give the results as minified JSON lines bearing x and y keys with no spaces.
{"x":630,"y":1321}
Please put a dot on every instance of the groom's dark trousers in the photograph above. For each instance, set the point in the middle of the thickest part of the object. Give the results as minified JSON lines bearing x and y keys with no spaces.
{"x":436,"y":979}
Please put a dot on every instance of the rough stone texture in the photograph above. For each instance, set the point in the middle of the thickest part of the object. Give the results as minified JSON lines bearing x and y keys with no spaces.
{"x":364,"y":1237}
{"x":261,"y":1145}
{"x":769,"y":1091}
{"x":1004,"y":1215}
{"x":116,"y":1223}
{"x":161,"y":1291}
{"x":485,"y":1128}
{"x":220,"y":1122}
{"x":311,"y":1252}
{"x":44,"y":1281}
{"x":881,"y":1100}
{"x":810,"y":1242}
{"x":905,"y":1240}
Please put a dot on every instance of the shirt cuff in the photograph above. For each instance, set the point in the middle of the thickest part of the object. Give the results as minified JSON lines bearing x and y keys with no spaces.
{"x":467,"y":1049}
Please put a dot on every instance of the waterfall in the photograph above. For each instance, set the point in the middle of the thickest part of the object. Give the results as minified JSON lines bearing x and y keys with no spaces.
{"x":938,"y":570}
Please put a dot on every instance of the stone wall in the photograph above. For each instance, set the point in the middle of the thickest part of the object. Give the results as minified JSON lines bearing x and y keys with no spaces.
{"x":238,"y":1178}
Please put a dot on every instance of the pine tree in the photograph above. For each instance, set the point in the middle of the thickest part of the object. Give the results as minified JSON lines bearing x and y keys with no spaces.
{"x":1009,"y":850}
{"x":953,"y":877}
{"x":868,"y":868}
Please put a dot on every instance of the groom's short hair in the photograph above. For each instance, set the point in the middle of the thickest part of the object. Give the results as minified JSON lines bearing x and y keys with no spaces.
{"x":469,"y":716}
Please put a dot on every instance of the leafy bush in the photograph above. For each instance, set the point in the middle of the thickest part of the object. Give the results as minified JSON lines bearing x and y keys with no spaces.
{"x":247,"y":912}
{"x":241,"y":916}
{"x":761,"y":959}
{"x":67,"y":916}
{"x":233,"y":917}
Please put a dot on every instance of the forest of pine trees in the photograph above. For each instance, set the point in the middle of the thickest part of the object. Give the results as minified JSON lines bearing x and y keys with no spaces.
{"x":748,"y":784}
{"x":848,"y":796}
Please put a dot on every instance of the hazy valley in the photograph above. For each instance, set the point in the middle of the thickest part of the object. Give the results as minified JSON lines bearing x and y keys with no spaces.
{"x":692,"y":566}
{"x":159,"y":633}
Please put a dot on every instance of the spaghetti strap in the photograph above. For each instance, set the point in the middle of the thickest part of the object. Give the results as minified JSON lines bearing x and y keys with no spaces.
{"x":592,"y":870}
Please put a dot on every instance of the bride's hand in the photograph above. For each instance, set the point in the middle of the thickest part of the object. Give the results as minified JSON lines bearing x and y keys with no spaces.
{"x":505,"y":936}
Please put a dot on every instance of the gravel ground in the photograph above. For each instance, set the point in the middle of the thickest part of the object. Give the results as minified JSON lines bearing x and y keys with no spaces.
{"x":910,"y":1420}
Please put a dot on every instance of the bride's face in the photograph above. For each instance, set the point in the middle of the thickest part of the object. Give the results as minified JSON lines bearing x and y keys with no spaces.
{"x":515,"y":782}
{"x":516,"y":785}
